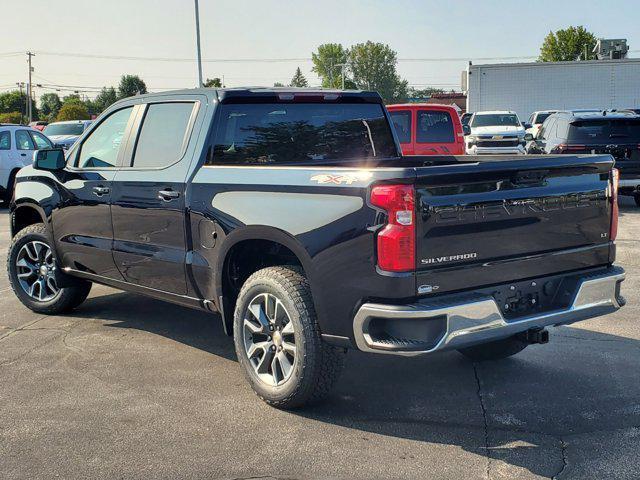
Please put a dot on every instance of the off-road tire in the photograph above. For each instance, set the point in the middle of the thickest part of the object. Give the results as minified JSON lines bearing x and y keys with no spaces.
{"x":317,"y":365}
{"x":496,"y":350}
{"x":70,"y":296}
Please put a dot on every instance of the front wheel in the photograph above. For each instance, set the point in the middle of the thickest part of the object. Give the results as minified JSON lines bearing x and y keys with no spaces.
{"x":33,"y":277}
{"x":278,"y":341}
{"x":496,"y":350}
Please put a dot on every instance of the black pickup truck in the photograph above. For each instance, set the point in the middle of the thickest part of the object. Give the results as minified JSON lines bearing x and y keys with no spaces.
{"x":293,"y":215}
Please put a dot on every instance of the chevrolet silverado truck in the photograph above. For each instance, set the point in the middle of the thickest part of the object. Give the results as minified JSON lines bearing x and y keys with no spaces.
{"x":294,"y":216}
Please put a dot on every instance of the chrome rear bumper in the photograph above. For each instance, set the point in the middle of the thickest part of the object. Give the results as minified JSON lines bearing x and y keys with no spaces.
{"x":476,"y":319}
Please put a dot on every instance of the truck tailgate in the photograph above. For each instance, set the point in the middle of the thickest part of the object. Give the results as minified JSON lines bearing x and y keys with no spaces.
{"x":498,"y":221}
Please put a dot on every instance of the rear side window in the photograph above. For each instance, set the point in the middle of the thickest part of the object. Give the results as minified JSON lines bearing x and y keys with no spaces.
{"x":298,"y":133}
{"x":23,"y":140}
{"x":434,"y":127}
{"x":402,"y":123}
{"x":163,"y":134}
{"x":5,"y":141}
{"x":40,"y":140}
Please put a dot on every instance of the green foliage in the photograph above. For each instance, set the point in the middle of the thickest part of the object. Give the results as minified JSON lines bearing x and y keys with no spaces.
{"x":325,"y":62}
{"x":298,"y":79}
{"x":423,"y":92}
{"x":50,"y":104}
{"x":11,"y":117}
{"x":373,"y":67}
{"x":105,"y":98}
{"x":73,"y":98}
{"x":568,"y":45}
{"x":278,"y":84}
{"x":131,"y":85}
{"x":73,"y":110}
{"x":12,"y":101}
{"x":213,"y":83}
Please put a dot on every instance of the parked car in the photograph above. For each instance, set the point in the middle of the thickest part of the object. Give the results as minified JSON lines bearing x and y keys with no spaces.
{"x":17,"y":144}
{"x":293,"y":214}
{"x":39,"y":124}
{"x":428,"y":129}
{"x":64,"y":134}
{"x":615,"y":133}
{"x":535,"y":121}
{"x":496,"y":132}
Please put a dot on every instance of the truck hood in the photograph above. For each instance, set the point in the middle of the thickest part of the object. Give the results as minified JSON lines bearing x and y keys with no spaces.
{"x":497,"y":130}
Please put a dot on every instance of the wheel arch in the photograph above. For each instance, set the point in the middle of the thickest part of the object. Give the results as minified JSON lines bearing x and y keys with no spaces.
{"x":247,"y":250}
{"x":25,"y":214}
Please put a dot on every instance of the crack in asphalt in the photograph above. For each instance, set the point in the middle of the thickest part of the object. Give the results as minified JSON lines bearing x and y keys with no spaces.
{"x":484,"y":419}
{"x":565,"y":462}
{"x":22,"y":327}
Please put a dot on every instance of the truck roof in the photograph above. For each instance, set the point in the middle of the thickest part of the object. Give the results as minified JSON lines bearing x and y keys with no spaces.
{"x":495,"y":112}
{"x":275,"y":94}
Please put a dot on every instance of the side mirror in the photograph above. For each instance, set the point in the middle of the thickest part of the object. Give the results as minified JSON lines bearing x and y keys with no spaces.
{"x":466,"y":130}
{"x":528,"y":137}
{"x":51,"y":159}
{"x":527,"y":126}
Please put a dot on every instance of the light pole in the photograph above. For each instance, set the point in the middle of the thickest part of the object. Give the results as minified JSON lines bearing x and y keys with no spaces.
{"x":200,"y":83}
{"x":342,"y":65}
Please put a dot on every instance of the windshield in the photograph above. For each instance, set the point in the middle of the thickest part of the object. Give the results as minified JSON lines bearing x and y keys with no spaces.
{"x":64,"y":129}
{"x":263,"y":134}
{"x":495,"y":120}
{"x":605,"y":131}
{"x":541,"y":117}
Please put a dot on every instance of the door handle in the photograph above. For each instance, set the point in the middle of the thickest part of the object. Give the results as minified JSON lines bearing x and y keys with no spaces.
{"x":99,"y":191}
{"x":168,"y":195}
{"x":23,"y":154}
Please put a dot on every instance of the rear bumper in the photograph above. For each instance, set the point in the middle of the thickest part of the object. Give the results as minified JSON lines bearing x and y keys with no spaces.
{"x":474,"y":319}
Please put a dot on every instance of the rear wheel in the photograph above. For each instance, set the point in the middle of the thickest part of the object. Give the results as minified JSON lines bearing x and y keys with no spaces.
{"x":496,"y":350}
{"x":278,"y":341}
{"x":33,"y":276}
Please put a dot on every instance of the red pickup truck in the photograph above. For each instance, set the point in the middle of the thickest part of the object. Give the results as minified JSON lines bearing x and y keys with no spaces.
{"x":428,"y":129}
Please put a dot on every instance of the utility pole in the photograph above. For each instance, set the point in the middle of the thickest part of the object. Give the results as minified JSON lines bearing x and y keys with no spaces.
{"x":20,"y":85}
{"x":29,"y":87}
{"x":200,"y":83}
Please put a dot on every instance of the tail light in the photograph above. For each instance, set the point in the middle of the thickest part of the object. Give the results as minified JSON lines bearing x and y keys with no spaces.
{"x":396,"y":241}
{"x":615,"y":177}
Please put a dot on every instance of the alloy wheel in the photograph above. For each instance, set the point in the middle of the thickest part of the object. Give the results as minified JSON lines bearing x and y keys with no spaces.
{"x":269,"y":340}
{"x":35,"y":269}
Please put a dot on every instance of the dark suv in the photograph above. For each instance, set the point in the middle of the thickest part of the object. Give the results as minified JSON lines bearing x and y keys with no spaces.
{"x":615,"y":133}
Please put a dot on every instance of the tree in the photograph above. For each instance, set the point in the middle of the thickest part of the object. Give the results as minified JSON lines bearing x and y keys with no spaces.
{"x":278,"y":84}
{"x":298,"y":79}
{"x":131,"y":85}
{"x":50,"y":104}
{"x":213,"y":83}
{"x":325,"y":64}
{"x":12,"y":101}
{"x":72,"y":111}
{"x":104,"y":99}
{"x":72,"y":98}
{"x":373,"y":67}
{"x":11,"y":117}
{"x":568,"y":45}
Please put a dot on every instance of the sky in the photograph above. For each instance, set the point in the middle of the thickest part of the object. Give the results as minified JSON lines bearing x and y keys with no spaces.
{"x":434,"y":40}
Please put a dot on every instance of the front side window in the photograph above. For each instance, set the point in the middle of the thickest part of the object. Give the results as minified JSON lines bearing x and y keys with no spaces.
{"x":23,"y":140}
{"x":540,"y":118}
{"x":297,"y":133}
{"x":5,"y":141}
{"x":495,"y":120}
{"x":40,"y":140}
{"x":434,"y":126}
{"x":402,"y":123}
{"x":101,"y":147}
{"x":162,"y":135}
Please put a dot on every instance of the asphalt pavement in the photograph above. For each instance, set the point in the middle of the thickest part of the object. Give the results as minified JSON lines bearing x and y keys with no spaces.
{"x":130,"y":387}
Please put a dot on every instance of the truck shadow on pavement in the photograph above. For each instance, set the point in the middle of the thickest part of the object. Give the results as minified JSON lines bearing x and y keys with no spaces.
{"x":526,"y":411}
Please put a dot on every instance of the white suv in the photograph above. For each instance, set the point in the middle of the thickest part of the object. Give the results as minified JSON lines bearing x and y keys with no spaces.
{"x":495,"y":133}
{"x":17,"y":144}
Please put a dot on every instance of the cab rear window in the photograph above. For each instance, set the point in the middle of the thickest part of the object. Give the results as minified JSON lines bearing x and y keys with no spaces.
{"x":434,"y":126}
{"x":605,"y":131}
{"x":301,"y":133}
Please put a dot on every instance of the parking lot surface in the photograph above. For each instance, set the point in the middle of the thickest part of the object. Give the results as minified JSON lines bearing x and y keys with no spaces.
{"x":130,"y":387}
